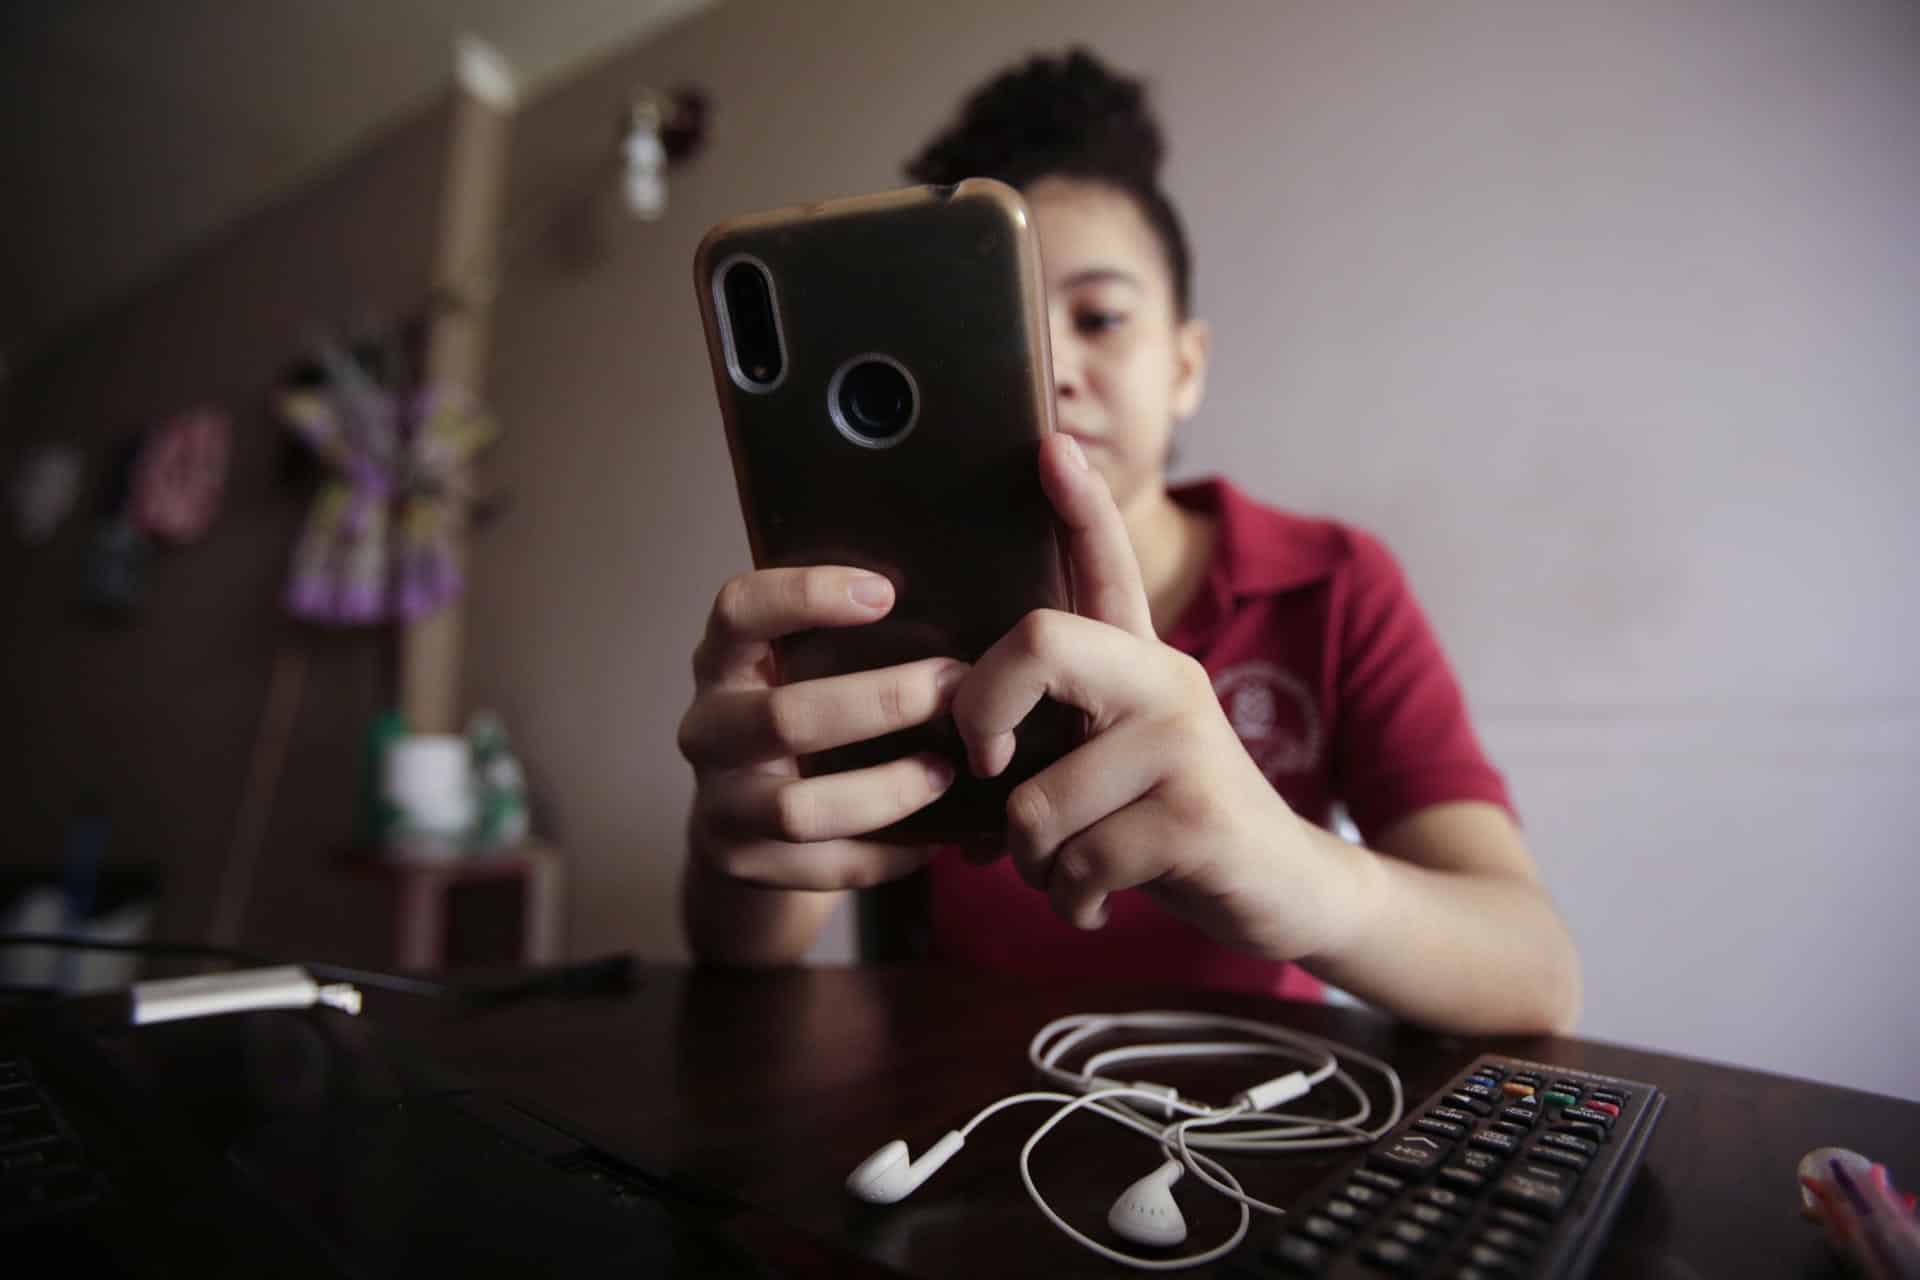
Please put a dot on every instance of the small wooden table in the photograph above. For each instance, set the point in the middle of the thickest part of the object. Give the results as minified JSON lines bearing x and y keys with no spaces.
{"x":423,"y":887}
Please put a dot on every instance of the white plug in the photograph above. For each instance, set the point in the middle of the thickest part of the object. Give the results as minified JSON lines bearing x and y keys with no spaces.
{"x":281,"y":987}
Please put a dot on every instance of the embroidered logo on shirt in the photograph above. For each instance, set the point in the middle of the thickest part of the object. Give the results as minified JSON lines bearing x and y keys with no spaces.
{"x":1273,"y":712}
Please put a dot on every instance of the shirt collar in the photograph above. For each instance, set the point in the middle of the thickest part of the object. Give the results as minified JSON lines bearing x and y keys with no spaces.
{"x":1261,"y":550}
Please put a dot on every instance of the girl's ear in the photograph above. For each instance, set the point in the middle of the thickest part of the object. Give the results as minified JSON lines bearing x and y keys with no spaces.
{"x":1191,"y":345}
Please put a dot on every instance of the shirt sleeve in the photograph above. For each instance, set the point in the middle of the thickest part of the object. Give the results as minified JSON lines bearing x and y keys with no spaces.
{"x":1402,"y":741}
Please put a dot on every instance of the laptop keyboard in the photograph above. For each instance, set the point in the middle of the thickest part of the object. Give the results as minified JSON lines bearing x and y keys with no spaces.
{"x":44,"y":1172}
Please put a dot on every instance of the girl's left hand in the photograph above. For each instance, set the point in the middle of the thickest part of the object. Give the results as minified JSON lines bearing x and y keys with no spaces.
{"x":1162,"y":795}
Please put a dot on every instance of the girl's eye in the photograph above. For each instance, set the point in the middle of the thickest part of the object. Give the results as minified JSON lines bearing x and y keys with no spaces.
{"x":1092,"y":323}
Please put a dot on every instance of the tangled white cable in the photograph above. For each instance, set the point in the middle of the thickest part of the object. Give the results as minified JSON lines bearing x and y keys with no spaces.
{"x":1146,"y":1213}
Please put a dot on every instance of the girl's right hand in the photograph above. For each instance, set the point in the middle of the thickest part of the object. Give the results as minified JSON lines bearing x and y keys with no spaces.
{"x":755,"y":819}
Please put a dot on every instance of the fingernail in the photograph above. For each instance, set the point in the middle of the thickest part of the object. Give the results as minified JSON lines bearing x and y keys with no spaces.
{"x":1002,"y":752}
{"x":1075,"y":454}
{"x":871,"y":591}
{"x":939,"y":773}
{"x":949,"y":679}
{"x":973,"y":764}
{"x":1096,"y":918}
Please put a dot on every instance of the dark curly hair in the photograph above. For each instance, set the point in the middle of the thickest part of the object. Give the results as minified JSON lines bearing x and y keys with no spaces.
{"x":1068,"y":117}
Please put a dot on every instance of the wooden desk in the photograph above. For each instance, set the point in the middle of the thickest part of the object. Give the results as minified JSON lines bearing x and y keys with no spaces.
{"x":773,"y":1086}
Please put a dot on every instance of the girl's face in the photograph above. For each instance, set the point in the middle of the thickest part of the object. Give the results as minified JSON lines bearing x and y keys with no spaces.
{"x":1126,"y":368}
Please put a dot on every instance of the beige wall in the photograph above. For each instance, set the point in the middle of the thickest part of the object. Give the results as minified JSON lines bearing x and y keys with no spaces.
{"x":1604,"y":316}
{"x":156,"y":127}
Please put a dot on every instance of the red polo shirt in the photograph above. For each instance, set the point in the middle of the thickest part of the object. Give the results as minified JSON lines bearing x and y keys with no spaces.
{"x":1329,"y":672}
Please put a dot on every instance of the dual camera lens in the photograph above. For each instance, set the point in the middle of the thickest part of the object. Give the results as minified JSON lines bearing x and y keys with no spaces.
{"x":871,"y":398}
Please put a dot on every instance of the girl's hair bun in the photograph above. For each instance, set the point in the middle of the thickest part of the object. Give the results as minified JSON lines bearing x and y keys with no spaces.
{"x":1067,"y":115}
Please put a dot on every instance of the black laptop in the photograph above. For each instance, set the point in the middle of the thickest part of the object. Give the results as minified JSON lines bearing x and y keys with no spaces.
{"x":306,"y":1144}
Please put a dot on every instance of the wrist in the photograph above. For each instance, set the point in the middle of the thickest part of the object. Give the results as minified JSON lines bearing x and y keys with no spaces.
{"x":737,"y":923}
{"x":1356,"y":881}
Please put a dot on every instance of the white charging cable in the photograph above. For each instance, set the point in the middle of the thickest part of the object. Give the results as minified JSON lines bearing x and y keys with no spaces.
{"x":1146,"y":1212}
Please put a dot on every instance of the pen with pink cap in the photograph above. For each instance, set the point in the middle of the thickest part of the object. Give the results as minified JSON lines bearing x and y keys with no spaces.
{"x":1866,"y":1217}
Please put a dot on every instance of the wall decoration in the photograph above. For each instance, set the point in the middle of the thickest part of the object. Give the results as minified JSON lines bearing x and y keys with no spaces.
{"x":378,"y":542}
{"x":180,"y":474}
{"x":45,"y":487}
{"x":113,"y":575}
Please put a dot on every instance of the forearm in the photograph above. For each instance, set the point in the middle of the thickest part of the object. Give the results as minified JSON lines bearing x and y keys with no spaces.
{"x":1471,"y":953}
{"x":729,"y":922}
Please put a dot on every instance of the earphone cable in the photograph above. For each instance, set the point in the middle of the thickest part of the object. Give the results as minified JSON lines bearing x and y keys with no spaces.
{"x":1087,"y":1241}
{"x":1185,"y":1130}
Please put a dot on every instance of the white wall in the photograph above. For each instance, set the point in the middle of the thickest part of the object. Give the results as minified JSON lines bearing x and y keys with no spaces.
{"x":1608,"y":319}
{"x":1606,"y":316}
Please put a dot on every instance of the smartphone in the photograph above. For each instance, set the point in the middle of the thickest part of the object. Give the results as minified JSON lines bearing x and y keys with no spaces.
{"x":884,"y":376}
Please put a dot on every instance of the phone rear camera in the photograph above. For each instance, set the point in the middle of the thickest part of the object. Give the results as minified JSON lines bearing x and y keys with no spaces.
{"x":873,"y":401}
{"x":876,"y":398}
{"x":751,"y":324}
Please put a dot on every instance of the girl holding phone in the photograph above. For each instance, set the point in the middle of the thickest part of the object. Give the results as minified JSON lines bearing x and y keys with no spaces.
{"x":1243,"y":670}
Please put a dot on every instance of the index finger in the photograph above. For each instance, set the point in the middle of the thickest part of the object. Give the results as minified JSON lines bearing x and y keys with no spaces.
{"x":1106,"y":573}
{"x":755,"y":608}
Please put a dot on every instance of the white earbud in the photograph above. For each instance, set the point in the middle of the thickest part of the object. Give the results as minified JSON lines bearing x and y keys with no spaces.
{"x":888,"y":1175}
{"x":1146,"y":1213}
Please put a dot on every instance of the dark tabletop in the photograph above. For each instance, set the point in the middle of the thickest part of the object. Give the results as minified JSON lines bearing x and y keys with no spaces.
{"x":773,"y":1086}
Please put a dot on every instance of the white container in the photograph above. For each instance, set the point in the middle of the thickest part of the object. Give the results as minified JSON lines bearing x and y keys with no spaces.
{"x":429,"y":782}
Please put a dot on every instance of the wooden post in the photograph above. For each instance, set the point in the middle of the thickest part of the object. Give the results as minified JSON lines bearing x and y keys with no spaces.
{"x":470,"y":221}
{"x":269,"y":756}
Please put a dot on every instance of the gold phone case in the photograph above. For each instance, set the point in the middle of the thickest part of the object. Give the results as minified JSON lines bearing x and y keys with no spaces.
{"x":946,"y":284}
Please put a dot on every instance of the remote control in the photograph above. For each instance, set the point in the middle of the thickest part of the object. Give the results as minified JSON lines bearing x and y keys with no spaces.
{"x":1515,"y":1169}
